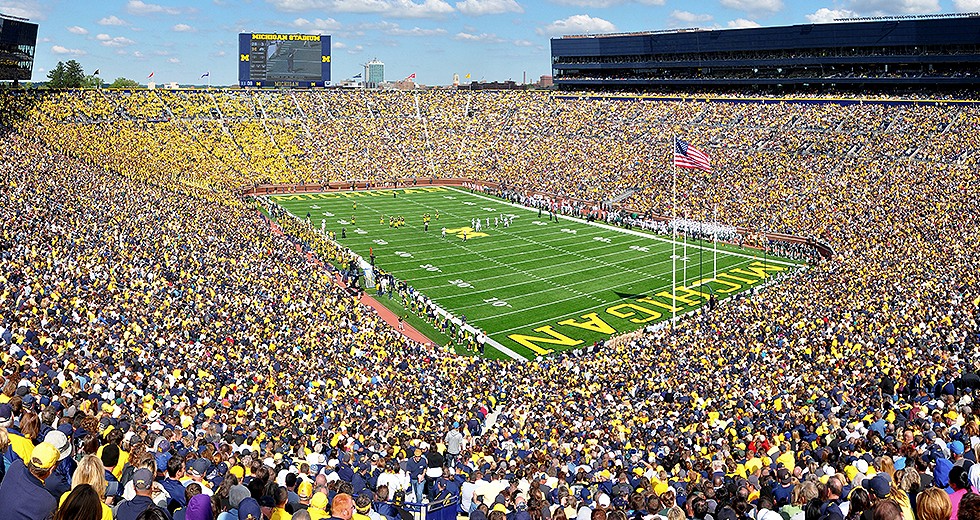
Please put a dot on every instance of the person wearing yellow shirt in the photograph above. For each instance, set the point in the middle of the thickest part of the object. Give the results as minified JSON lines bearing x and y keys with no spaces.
{"x":318,"y":507}
{"x":279,"y":512}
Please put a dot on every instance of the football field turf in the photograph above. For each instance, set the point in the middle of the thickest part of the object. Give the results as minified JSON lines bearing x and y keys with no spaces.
{"x":538,"y":286}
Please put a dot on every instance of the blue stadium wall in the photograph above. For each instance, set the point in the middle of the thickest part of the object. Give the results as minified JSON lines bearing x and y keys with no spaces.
{"x":950,"y":45}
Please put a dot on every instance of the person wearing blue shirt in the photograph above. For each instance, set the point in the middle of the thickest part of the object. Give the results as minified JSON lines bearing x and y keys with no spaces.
{"x":22,"y":493}
{"x":416,"y":472}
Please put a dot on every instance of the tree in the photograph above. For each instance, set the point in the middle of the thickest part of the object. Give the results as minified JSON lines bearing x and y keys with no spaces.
{"x":66,"y":75}
{"x":124,"y":83}
{"x":92,"y":81}
{"x":56,"y":76}
{"x":74,"y":75}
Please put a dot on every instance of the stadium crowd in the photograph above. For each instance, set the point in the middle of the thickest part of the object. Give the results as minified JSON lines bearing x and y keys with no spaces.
{"x":167,"y":354}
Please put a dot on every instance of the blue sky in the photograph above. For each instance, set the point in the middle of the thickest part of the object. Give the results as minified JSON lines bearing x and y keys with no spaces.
{"x":488,"y":39}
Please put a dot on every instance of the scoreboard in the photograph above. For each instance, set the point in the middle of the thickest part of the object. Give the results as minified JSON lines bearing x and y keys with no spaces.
{"x":283,"y":60}
{"x":18,"y":39}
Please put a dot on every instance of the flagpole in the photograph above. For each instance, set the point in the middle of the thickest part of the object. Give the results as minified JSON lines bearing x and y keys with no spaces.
{"x":714,"y":269}
{"x":673,"y":243}
{"x":684,"y":258}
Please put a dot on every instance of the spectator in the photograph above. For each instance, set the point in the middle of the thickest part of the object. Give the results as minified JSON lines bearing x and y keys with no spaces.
{"x":22,"y":493}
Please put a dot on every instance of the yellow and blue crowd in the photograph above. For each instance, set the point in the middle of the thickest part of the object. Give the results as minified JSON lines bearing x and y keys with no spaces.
{"x":166,"y":353}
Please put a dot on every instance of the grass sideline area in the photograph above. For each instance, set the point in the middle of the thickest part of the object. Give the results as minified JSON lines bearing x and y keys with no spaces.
{"x":540,"y":285}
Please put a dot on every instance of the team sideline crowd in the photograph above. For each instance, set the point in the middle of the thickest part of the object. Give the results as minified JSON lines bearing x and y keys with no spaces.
{"x":167,"y":353}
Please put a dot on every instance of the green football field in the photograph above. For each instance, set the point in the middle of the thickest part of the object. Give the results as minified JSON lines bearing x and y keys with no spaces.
{"x":538,"y":286}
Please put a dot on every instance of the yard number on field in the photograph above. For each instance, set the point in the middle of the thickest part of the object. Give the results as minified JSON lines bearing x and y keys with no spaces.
{"x":642,"y":249}
{"x":430,"y":268}
{"x":461,"y":284}
{"x":496,"y":303}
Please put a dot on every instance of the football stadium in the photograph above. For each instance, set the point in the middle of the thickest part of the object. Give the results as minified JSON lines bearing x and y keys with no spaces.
{"x":723,"y":274}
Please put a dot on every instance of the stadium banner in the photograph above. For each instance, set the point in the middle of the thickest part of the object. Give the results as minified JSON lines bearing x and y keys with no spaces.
{"x":283,"y":60}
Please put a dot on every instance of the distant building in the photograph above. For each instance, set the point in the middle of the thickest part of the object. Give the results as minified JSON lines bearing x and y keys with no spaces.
{"x":546,"y":82}
{"x":878,"y":54}
{"x":374,"y":73}
{"x":403,"y":84}
{"x":494,"y":85}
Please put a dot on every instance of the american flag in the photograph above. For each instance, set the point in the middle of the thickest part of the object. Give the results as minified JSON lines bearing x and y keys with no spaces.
{"x":687,"y":156}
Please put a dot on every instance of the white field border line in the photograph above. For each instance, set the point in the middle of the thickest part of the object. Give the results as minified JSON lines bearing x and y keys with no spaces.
{"x":530,"y":326}
{"x":511,"y":353}
{"x":622,"y":230}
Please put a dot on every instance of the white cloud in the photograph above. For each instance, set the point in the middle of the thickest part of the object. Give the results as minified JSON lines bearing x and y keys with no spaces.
{"x":112,"y":20}
{"x":140,"y":7}
{"x":138,"y":55}
{"x":58,"y":49}
{"x":523,"y":43}
{"x":687,"y":17}
{"x":339,"y":45}
{"x":316,"y":26}
{"x":482,"y":37}
{"x":577,"y":24}
{"x":754,"y":6}
{"x":742,"y":23}
{"x":825,"y":15}
{"x":395,"y":8}
{"x":967,"y":5}
{"x":607,"y":3}
{"x":173,"y":60}
{"x":75,"y":29}
{"x":481,"y":7}
{"x":858,"y":8}
{"x":396,"y":30}
{"x":888,"y":7}
{"x":183,"y":27}
{"x":357,"y":49}
{"x":118,"y":41}
{"x":23,"y":8}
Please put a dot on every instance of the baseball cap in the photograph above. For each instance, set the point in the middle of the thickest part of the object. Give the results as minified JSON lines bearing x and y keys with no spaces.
{"x":6,"y":415}
{"x":319,"y":501}
{"x":861,"y":465}
{"x":142,"y":479}
{"x":305,"y":490}
{"x":956,"y":447}
{"x":45,"y":456}
{"x":199,"y":467}
{"x":60,"y":441}
{"x":236,"y":494}
{"x":877,"y":485}
{"x":248,"y":509}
